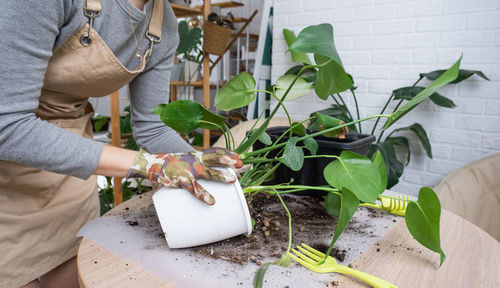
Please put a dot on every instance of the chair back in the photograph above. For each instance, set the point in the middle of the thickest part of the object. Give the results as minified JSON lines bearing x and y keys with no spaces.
{"x":473,"y":192}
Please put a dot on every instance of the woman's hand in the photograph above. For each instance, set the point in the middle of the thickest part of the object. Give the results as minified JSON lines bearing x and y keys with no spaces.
{"x":180,"y":170}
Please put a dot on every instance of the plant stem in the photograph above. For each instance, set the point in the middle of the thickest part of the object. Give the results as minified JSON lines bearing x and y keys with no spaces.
{"x":382,"y":112}
{"x":276,"y":146}
{"x":251,"y":189}
{"x":243,"y":148}
{"x":343,"y":103}
{"x":287,"y":115}
{"x":289,"y":223}
{"x":396,"y":108}
{"x":228,"y":142}
{"x":357,"y":109}
{"x":231,"y":135}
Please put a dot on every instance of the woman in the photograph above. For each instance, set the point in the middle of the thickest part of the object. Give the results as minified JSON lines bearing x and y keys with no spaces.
{"x":56,"y":54}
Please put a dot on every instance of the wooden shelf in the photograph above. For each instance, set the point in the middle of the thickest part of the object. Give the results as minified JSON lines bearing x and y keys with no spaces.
{"x":182,"y":11}
{"x":227,"y":4}
{"x":198,"y":83}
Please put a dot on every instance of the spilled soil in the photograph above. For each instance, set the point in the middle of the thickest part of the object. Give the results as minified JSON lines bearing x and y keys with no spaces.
{"x":310,"y":224}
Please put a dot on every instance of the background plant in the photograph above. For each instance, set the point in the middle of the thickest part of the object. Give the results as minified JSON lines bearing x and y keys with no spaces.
{"x":386,"y":145}
{"x":189,"y":42}
{"x":351,"y":179}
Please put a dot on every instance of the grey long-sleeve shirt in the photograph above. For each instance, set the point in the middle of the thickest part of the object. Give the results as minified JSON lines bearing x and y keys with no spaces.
{"x":29,"y":32}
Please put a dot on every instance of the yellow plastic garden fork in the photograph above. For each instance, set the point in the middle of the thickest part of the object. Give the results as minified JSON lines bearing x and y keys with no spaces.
{"x":312,"y":257}
{"x":394,"y":206}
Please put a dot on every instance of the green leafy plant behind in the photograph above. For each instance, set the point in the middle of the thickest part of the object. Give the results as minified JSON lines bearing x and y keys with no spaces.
{"x":189,"y":42}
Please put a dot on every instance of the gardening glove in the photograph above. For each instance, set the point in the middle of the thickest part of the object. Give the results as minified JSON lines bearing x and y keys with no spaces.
{"x":180,"y":170}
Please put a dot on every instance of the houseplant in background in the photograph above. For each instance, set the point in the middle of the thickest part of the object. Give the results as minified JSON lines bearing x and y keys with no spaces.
{"x":387,"y":146}
{"x":190,"y":54}
{"x":352,"y":179}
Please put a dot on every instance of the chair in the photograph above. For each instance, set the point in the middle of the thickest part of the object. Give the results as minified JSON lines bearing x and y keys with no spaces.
{"x":473,"y":192}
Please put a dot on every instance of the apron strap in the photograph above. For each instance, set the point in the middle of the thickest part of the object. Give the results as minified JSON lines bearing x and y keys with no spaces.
{"x":93,"y":5}
{"x":155,"y":23}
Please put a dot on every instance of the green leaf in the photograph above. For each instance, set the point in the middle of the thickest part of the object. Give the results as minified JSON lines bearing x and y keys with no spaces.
{"x":331,"y":78}
{"x":401,"y":141}
{"x":293,"y":156}
{"x":284,"y":261}
{"x":184,"y":116}
{"x":296,"y":55}
{"x":394,"y":167}
{"x":265,"y":138}
{"x":422,"y":219}
{"x":298,"y":128}
{"x":450,"y":75}
{"x":336,"y":111}
{"x":378,"y":161}
{"x":422,"y":135}
{"x":237,"y":93}
{"x":408,"y":93}
{"x":348,"y":205}
{"x":258,"y":279}
{"x":356,"y":173}
{"x":462,"y":75}
{"x":327,"y":122}
{"x":332,"y":205}
{"x":317,"y":39}
{"x":300,"y":88}
{"x":311,"y":145}
{"x":99,"y":122}
{"x":131,"y":144}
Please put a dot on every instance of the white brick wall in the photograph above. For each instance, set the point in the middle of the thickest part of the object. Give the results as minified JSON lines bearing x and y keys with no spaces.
{"x":385,"y":44}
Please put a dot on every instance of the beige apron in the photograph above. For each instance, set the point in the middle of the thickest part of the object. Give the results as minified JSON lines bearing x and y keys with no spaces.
{"x":40,"y":211}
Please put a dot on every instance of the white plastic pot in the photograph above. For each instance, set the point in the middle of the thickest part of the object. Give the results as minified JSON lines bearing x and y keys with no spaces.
{"x":187,"y":222}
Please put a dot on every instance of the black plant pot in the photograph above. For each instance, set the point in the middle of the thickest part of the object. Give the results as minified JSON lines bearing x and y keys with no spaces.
{"x":311,"y":173}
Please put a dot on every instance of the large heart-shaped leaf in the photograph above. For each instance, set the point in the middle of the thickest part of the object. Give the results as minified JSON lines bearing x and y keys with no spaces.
{"x":393,"y":166}
{"x":356,"y":173}
{"x":237,"y":93}
{"x":378,"y":161}
{"x":422,"y":219}
{"x":450,"y":75}
{"x":422,"y":135}
{"x":300,"y":88}
{"x":186,"y":115}
{"x":327,"y":122}
{"x":297,"y":56}
{"x":293,"y":156}
{"x":317,"y":39}
{"x":462,"y":75}
{"x":348,"y":205}
{"x":408,"y":93}
{"x":331,"y":78}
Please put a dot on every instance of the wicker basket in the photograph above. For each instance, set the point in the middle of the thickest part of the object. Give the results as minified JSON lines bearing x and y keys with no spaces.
{"x":215,"y":38}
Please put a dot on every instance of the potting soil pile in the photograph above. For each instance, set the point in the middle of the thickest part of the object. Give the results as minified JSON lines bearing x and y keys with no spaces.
{"x":137,"y":236}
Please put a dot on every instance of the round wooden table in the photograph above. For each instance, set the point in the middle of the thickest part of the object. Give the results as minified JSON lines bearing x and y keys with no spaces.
{"x":472,"y":259}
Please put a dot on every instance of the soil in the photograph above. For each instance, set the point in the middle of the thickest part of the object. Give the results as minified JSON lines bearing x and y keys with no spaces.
{"x":310,"y":224}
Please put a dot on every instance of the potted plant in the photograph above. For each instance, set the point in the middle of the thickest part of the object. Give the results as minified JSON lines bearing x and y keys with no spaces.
{"x":190,"y":54}
{"x":386,"y":146}
{"x":352,"y":179}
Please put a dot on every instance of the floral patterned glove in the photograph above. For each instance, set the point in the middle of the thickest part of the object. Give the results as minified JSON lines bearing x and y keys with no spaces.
{"x":180,"y":170}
